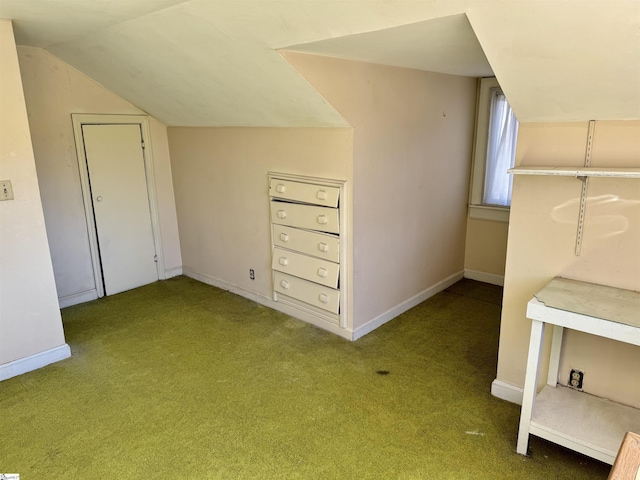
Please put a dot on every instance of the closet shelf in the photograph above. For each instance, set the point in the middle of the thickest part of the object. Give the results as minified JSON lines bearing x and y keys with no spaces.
{"x":621,"y":172}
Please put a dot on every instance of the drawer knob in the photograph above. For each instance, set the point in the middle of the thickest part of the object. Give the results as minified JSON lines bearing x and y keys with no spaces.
{"x":322,"y":272}
{"x":280,"y":188}
{"x":322,"y":195}
{"x":322,"y":219}
{"x":284,"y":261}
{"x":323,"y":298}
{"x":323,"y":247}
{"x":284,"y":284}
{"x":284,"y":237}
{"x":282,"y":214}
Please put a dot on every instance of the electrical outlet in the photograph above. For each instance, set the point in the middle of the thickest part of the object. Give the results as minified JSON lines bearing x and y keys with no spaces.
{"x":252,"y":274}
{"x":6,"y":191}
{"x":576,"y":377}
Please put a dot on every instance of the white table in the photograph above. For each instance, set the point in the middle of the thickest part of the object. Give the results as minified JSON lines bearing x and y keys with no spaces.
{"x":582,"y":422}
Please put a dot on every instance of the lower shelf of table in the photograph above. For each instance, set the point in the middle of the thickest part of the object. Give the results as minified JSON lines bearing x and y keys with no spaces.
{"x":582,"y":422}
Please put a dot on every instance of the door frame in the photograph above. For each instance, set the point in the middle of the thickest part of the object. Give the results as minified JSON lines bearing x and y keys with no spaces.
{"x":80,"y":119}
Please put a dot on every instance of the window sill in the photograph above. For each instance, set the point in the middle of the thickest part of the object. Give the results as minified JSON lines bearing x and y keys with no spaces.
{"x":486,"y":212}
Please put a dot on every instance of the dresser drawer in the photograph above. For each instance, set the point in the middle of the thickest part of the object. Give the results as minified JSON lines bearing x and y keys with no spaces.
{"x":317,"y":295}
{"x":304,"y":266}
{"x":317,"y":244}
{"x":304,"y":192}
{"x":323,"y":219}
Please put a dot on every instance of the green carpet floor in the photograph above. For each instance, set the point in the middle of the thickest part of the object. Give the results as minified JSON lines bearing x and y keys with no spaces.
{"x":181,"y":380}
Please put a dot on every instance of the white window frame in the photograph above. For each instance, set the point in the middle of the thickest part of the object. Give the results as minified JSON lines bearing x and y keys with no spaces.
{"x":477,"y":209}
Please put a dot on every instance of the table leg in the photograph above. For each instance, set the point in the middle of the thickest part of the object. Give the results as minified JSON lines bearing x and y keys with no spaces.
{"x":554,"y":359}
{"x":530,"y":384}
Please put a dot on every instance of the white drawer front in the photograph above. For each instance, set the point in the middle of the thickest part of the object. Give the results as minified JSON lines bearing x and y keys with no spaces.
{"x":304,"y":266}
{"x":322,"y":297}
{"x":323,"y":219}
{"x":319,"y":245}
{"x":304,"y":192}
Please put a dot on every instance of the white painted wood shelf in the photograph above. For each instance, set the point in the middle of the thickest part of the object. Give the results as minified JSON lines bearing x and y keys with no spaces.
{"x":581,"y":173}
{"x":619,"y":172}
{"x":585,"y":423}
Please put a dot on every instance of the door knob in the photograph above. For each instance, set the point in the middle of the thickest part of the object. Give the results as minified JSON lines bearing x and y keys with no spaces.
{"x":99,"y":198}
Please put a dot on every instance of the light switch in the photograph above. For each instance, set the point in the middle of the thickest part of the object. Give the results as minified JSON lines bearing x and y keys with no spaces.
{"x":6,"y":191}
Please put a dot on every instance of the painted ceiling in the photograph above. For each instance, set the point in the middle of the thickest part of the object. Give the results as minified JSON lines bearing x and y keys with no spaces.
{"x":216,"y":62}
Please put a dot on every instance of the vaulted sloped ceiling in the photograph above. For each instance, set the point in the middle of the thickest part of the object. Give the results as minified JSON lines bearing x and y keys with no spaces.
{"x":216,"y":62}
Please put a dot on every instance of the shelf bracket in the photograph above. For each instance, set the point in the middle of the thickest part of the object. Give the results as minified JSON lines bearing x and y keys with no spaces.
{"x":585,"y":186}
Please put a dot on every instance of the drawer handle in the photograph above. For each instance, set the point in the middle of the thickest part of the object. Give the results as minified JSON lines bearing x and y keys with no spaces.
{"x":322,"y":195}
{"x":322,"y":272}
{"x":322,"y":219}
{"x":282,"y":214}
{"x":323,"y":298}
{"x":284,"y":261}
{"x":284,"y":237}
{"x":323,"y":247}
{"x":284,"y":284}
{"x":280,"y":188}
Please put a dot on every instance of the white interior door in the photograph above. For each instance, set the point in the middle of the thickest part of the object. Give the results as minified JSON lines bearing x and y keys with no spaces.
{"x":115,"y":162}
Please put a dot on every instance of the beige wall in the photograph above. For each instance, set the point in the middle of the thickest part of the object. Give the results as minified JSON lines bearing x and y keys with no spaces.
{"x":221,"y":190}
{"x":30,"y":320}
{"x":486,"y":247}
{"x":542,"y":235}
{"x":54,"y":91}
{"x":413,"y":134}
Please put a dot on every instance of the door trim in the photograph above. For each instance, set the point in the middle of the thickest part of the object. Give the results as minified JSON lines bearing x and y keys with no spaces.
{"x":78,"y":121}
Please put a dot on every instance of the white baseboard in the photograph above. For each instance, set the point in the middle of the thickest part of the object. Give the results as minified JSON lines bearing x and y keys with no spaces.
{"x":88,"y":295}
{"x":301,"y":314}
{"x":33,"y":362}
{"x":491,"y":278}
{"x":172,"y":272}
{"x":267,"y":302}
{"x":380,"y":320}
{"x":507,"y":391}
{"x":223,"y":285}
{"x":76,"y":298}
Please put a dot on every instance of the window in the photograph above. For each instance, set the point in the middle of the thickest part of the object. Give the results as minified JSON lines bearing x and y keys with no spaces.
{"x":494,"y":154}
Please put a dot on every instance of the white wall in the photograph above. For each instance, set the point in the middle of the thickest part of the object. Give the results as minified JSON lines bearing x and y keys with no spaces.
{"x":413,"y":133}
{"x":222,"y":193}
{"x":30,"y":322}
{"x":54,"y":91}
{"x":542,"y":238}
{"x":485,"y":252}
